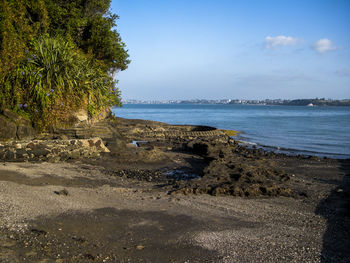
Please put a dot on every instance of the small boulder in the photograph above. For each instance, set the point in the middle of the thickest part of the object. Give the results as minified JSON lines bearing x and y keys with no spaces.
{"x":61,"y":192}
{"x":8,"y":129}
{"x":25,"y":131}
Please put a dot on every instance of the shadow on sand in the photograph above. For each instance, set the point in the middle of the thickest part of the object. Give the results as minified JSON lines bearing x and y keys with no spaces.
{"x":336,"y":210}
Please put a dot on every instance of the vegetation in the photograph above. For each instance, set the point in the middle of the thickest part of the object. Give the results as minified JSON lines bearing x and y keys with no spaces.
{"x":318,"y":102}
{"x":231,"y":133}
{"x":57,"y":56}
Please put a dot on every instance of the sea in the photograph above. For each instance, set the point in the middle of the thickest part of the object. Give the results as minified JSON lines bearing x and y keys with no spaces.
{"x":320,"y":131}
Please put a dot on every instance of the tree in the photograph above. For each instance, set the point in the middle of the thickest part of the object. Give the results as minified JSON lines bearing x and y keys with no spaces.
{"x":90,"y":24}
{"x":57,"y":56}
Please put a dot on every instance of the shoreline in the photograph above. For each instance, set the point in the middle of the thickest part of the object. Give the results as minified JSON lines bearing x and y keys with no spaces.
{"x":67,"y":211}
{"x":293,"y":152}
{"x":292,"y":134}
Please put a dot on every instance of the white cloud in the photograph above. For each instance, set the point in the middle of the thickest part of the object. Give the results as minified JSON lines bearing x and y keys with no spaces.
{"x":272,"y":42}
{"x":323,"y":45}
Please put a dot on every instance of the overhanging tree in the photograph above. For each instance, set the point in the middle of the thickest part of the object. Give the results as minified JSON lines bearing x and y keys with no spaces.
{"x":58,"y":55}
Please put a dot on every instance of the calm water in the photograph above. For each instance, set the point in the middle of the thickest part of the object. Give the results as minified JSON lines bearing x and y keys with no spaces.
{"x":323,"y":131}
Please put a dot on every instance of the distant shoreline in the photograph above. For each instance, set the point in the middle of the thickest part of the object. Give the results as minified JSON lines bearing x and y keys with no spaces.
{"x":247,"y":104}
{"x":265,"y":102}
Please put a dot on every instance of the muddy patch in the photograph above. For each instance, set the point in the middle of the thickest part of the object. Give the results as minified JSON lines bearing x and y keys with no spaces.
{"x":108,"y":235}
{"x":47,"y":179}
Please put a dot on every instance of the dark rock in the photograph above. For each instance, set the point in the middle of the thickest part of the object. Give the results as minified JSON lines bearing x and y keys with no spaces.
{"x":31,"y":145}
{"x":13,"y":126}
{"x":39,"y":152}
{"x":8,"y":129}
{"x":38,"y":231}
{"x":61,"y":192}
{"x":142,"y":143}
{"x":98,"y":143}
{"x":233,"y":170}
{"x":21,"y":152}
{"x":303,"y":194}
{"x":198,"y":147}
{"x":25,"y":131}
{"x":9,"y":155}
{"x":91,"y":143}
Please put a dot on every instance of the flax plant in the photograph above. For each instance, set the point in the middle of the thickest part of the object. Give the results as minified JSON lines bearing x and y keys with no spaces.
{"x":55,"y":79}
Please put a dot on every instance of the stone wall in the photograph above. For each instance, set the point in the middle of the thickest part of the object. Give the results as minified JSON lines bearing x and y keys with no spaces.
{"x":51,"y":150}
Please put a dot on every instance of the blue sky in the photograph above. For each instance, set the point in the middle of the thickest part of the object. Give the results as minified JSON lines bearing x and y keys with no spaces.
{"x":244,"y":49}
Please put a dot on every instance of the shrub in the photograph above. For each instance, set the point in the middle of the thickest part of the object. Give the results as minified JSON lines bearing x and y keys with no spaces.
{"x":54,"y":79}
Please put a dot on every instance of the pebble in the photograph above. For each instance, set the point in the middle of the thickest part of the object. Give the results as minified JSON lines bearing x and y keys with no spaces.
{"x":140,"y":247}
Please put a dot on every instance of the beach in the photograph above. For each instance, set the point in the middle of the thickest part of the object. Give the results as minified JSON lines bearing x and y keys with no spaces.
{"x":167,"y":193}
{"x":226,"y":141}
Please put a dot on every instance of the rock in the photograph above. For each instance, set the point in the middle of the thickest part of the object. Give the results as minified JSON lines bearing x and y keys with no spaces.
{"x":21,"y":153}
{"x":38,"y":232}
{"x":40,"y":152}
{"x":62,"y":137}
{"x":31,"y":145}
{"x":198,"y":147}
{"x":8,"y":129}
{"x":232,"y":170}
{"x":81,"y":115}
{"x":140,"y":247}
{"x":98,"y":143}
{"x":10,"y":155}
{"x":25,"y":131}
{"x":61,"y":192}
{"x":75,"y":154}
{"x":52,"y":150}
{"x":314,"y":158}
{"x":13,"y":126}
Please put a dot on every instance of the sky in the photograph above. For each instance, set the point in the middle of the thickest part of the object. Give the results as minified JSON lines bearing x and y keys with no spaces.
{"x":235,"y":49}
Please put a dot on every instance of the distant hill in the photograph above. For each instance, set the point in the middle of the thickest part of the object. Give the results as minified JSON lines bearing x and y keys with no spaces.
{"x":316,"y":102}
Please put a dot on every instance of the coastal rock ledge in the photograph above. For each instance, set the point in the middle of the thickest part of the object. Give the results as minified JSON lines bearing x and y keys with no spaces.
{"x":51,"y":150}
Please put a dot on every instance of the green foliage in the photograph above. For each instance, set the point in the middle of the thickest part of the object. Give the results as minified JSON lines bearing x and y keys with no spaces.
{"x":58,"y":56}
{"x":55,"y":79}
{"x":90,"y":25}
{"x":20,"y":22}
